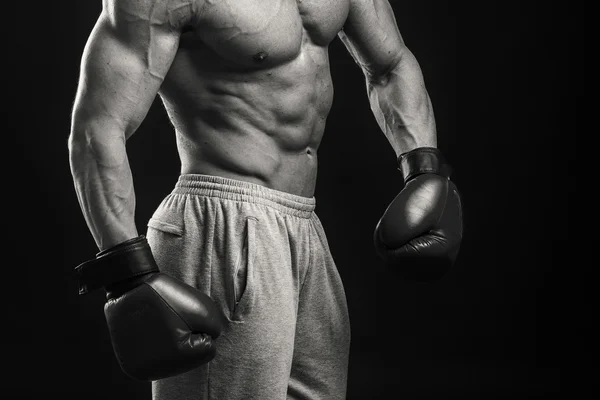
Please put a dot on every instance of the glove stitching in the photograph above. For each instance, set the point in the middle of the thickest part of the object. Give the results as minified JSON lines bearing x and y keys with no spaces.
{"x":447,"y":182}
{"x":171,"y":308}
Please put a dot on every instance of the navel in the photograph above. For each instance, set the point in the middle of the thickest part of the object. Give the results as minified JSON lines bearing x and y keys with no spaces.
{"x":260,"y":57}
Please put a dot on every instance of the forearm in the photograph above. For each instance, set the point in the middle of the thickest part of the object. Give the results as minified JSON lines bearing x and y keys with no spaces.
{"x":103,"y":180}
{"x":402,"y":107}
{"x":123,"y":65}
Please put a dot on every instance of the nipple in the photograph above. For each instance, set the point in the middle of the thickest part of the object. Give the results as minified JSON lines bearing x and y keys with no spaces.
{"x":260,"y":57}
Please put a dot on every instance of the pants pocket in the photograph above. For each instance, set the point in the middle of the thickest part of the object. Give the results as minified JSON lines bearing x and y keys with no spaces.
{"x":165,"y":234}
{"x":165,"y":227}
{"x":167,"y":220}
{"x":242,"y":275}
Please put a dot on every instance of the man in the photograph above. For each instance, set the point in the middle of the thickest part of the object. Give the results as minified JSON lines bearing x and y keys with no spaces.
{"x":233,"y":293}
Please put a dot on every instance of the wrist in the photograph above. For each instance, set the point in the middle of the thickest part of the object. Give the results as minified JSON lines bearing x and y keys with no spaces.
{"x":423,"y":160}
{"x":114,"y":233}
{"x":123,"y":263}
{"x":120,"y":246}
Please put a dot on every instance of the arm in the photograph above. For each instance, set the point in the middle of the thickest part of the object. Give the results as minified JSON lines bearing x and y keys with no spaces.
{"x":394,"y":79}
{"x":125,"y":60}
{"x":124,"y":63}
{"x":420,"y":233}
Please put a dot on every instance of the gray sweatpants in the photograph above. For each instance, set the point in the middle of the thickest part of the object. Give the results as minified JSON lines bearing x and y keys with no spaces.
{"x":263,"y":257}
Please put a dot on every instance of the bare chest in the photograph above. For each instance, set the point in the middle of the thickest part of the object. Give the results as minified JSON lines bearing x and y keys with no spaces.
{"x":267,"y":32}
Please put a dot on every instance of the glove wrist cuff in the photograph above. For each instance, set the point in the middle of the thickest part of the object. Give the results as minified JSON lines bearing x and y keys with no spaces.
{"x":126,"y":260}
{"x":423,"y":160}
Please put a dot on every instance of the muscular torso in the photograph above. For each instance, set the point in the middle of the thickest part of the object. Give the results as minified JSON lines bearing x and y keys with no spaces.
{"x":250,"y":89}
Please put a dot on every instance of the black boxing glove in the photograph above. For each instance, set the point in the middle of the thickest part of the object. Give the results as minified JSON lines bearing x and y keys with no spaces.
{"x":158,"y":325}
{"x":420,"y":233}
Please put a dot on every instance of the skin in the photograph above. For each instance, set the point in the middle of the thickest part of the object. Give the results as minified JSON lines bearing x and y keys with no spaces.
{"x":246,"y":85}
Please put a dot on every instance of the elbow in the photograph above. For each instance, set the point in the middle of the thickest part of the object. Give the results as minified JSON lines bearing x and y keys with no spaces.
{"x":77,"y":142}
{"x":382,"y":73}
{"x":98,"y":139}
{"x":81,"y":134}
{"x":81,"y":153}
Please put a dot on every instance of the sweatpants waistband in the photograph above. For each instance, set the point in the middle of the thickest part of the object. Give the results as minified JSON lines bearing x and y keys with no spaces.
{"x":231,"y":189}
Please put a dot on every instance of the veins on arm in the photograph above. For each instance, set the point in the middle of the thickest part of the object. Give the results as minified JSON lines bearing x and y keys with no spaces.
{"x":372,"y":37}
{"x":395,"y":84}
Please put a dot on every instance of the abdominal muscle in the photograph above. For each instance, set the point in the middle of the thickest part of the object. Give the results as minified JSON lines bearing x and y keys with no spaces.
{"x":260,"y":124}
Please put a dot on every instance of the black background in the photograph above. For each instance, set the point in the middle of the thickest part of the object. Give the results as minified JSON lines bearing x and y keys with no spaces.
{"x":507,"y":83}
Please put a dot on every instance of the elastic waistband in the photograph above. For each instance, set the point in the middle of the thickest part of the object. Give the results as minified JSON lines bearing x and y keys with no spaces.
{"x":231,"y":189}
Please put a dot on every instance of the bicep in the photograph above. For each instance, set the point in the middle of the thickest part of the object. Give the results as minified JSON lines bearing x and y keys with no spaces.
{"x":122,"y":67}
{"x":372,"y":37}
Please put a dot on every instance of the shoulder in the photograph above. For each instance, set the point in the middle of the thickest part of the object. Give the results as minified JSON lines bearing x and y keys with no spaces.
{"x":173,"y":13}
